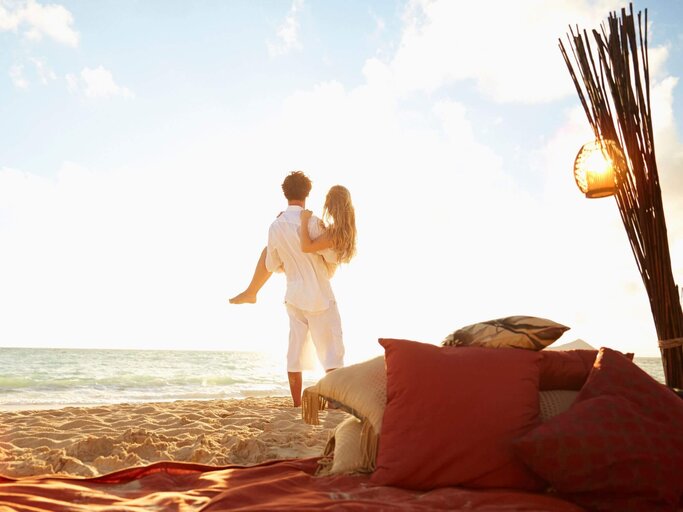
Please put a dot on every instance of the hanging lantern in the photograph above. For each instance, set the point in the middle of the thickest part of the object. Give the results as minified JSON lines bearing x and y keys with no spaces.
{"x":594,"y":168}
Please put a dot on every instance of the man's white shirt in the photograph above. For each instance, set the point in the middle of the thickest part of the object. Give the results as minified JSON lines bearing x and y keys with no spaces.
{"x":308,"y":275}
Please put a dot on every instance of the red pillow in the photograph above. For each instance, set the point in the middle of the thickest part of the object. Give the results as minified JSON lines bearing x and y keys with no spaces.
{"x":619,"y":447}
{"x":452,"y":413}
{"x":566,"y":369}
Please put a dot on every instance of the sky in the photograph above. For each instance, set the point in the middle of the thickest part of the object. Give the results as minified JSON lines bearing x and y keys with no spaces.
{"x":143,"y":144}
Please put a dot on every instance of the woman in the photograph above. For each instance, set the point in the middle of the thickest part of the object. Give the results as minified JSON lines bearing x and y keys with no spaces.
{"x":339,"y":229}
{"x":339,"y":235}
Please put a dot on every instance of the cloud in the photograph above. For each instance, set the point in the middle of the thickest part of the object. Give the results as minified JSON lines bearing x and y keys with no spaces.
{"x":8,"y":19}
{"x":41,"y":71}
{"x":96,"y":83}
{"x":39,"y":20}
{"x":380,"y":24}
{"x":669,"y":153}
{"x":287,"y":32}
{"x":95,"y":241}
{"x":16,"y":74}
{"x":515,"y":58}
{"x":45,"y":74}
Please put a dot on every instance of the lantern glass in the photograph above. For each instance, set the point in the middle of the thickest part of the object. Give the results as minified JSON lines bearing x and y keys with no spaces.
{"x":594,"y":169}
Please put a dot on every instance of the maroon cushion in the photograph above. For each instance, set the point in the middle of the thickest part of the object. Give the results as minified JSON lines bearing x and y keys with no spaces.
{"x":619,"y":447}
{"x":566,"y":369}
{"x":452,"y":413}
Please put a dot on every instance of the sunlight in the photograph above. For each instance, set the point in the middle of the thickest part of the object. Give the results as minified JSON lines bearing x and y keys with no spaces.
{"x":594,"y":170}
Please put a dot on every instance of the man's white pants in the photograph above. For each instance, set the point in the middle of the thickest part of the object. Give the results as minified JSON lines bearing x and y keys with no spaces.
{"x":325,"y":332}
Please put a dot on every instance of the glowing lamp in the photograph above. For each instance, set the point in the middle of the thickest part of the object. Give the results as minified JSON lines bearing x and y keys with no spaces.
{"x":594,"y":168}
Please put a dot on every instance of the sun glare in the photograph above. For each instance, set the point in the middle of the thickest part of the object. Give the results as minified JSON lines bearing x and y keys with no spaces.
{"x":597,"y":163}
{"x":594,"y":170}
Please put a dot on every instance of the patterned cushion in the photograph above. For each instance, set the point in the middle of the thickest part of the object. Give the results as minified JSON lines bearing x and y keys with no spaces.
{"x":343,"y":453}
{"x":359,"y":389}
{"x":619,"y":447}
{"x":528,"y":332}
{"x":554,"y":402}
{"x":451,"y":416}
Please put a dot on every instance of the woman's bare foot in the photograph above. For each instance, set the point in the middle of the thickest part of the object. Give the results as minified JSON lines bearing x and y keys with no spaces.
{"x":244,"y":298}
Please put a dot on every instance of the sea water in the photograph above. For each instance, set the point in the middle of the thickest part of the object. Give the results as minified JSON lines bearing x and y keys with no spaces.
{"x":33,"y":378}
{"x":40,"y":378}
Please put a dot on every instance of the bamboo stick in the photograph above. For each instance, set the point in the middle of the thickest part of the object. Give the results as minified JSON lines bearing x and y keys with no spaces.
{"x":615,"y":95}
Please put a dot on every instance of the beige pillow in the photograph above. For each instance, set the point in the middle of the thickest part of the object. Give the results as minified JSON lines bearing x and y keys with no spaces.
{"x":555,"y":402}
{"x":359,"y":389}
{"x":528,"y":332}
{"x":343,"y":453}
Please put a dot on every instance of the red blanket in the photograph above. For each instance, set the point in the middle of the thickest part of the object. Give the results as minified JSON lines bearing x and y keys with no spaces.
{"x":280,"y":485}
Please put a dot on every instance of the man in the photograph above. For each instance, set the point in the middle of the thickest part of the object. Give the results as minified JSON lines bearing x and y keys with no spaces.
{"x":309,"y":299}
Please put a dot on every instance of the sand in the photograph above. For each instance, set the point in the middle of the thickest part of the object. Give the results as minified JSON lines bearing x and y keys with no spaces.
{"x":90,"y":441}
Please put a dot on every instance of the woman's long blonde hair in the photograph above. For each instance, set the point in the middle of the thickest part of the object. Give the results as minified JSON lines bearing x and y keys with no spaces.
{"x":340,"y":217}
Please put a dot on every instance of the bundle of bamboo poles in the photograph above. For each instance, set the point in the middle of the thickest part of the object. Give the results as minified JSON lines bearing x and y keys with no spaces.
{"x":615,"y":95}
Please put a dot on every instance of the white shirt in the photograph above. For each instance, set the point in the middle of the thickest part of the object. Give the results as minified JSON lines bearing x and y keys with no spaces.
{"x":308,"y":278}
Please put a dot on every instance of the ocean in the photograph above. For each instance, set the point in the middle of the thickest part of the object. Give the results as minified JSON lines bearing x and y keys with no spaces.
{"x":41,"y":378}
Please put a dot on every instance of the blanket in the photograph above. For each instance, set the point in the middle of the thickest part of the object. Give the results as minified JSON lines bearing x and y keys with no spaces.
{"x":276,"y":485}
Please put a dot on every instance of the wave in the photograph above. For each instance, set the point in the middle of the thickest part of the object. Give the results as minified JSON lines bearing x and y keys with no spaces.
{"x":47,"y":378}
{"x":13,"y":383}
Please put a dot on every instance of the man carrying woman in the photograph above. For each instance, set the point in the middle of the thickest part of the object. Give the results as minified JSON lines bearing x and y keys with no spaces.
{"x":308,"y":251}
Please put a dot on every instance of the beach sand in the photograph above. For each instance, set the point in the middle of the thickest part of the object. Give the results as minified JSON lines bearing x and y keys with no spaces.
{"x":90,"y":441}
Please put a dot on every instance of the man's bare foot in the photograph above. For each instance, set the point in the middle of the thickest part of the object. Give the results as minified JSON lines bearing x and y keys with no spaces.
{"x":244,"y":298}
